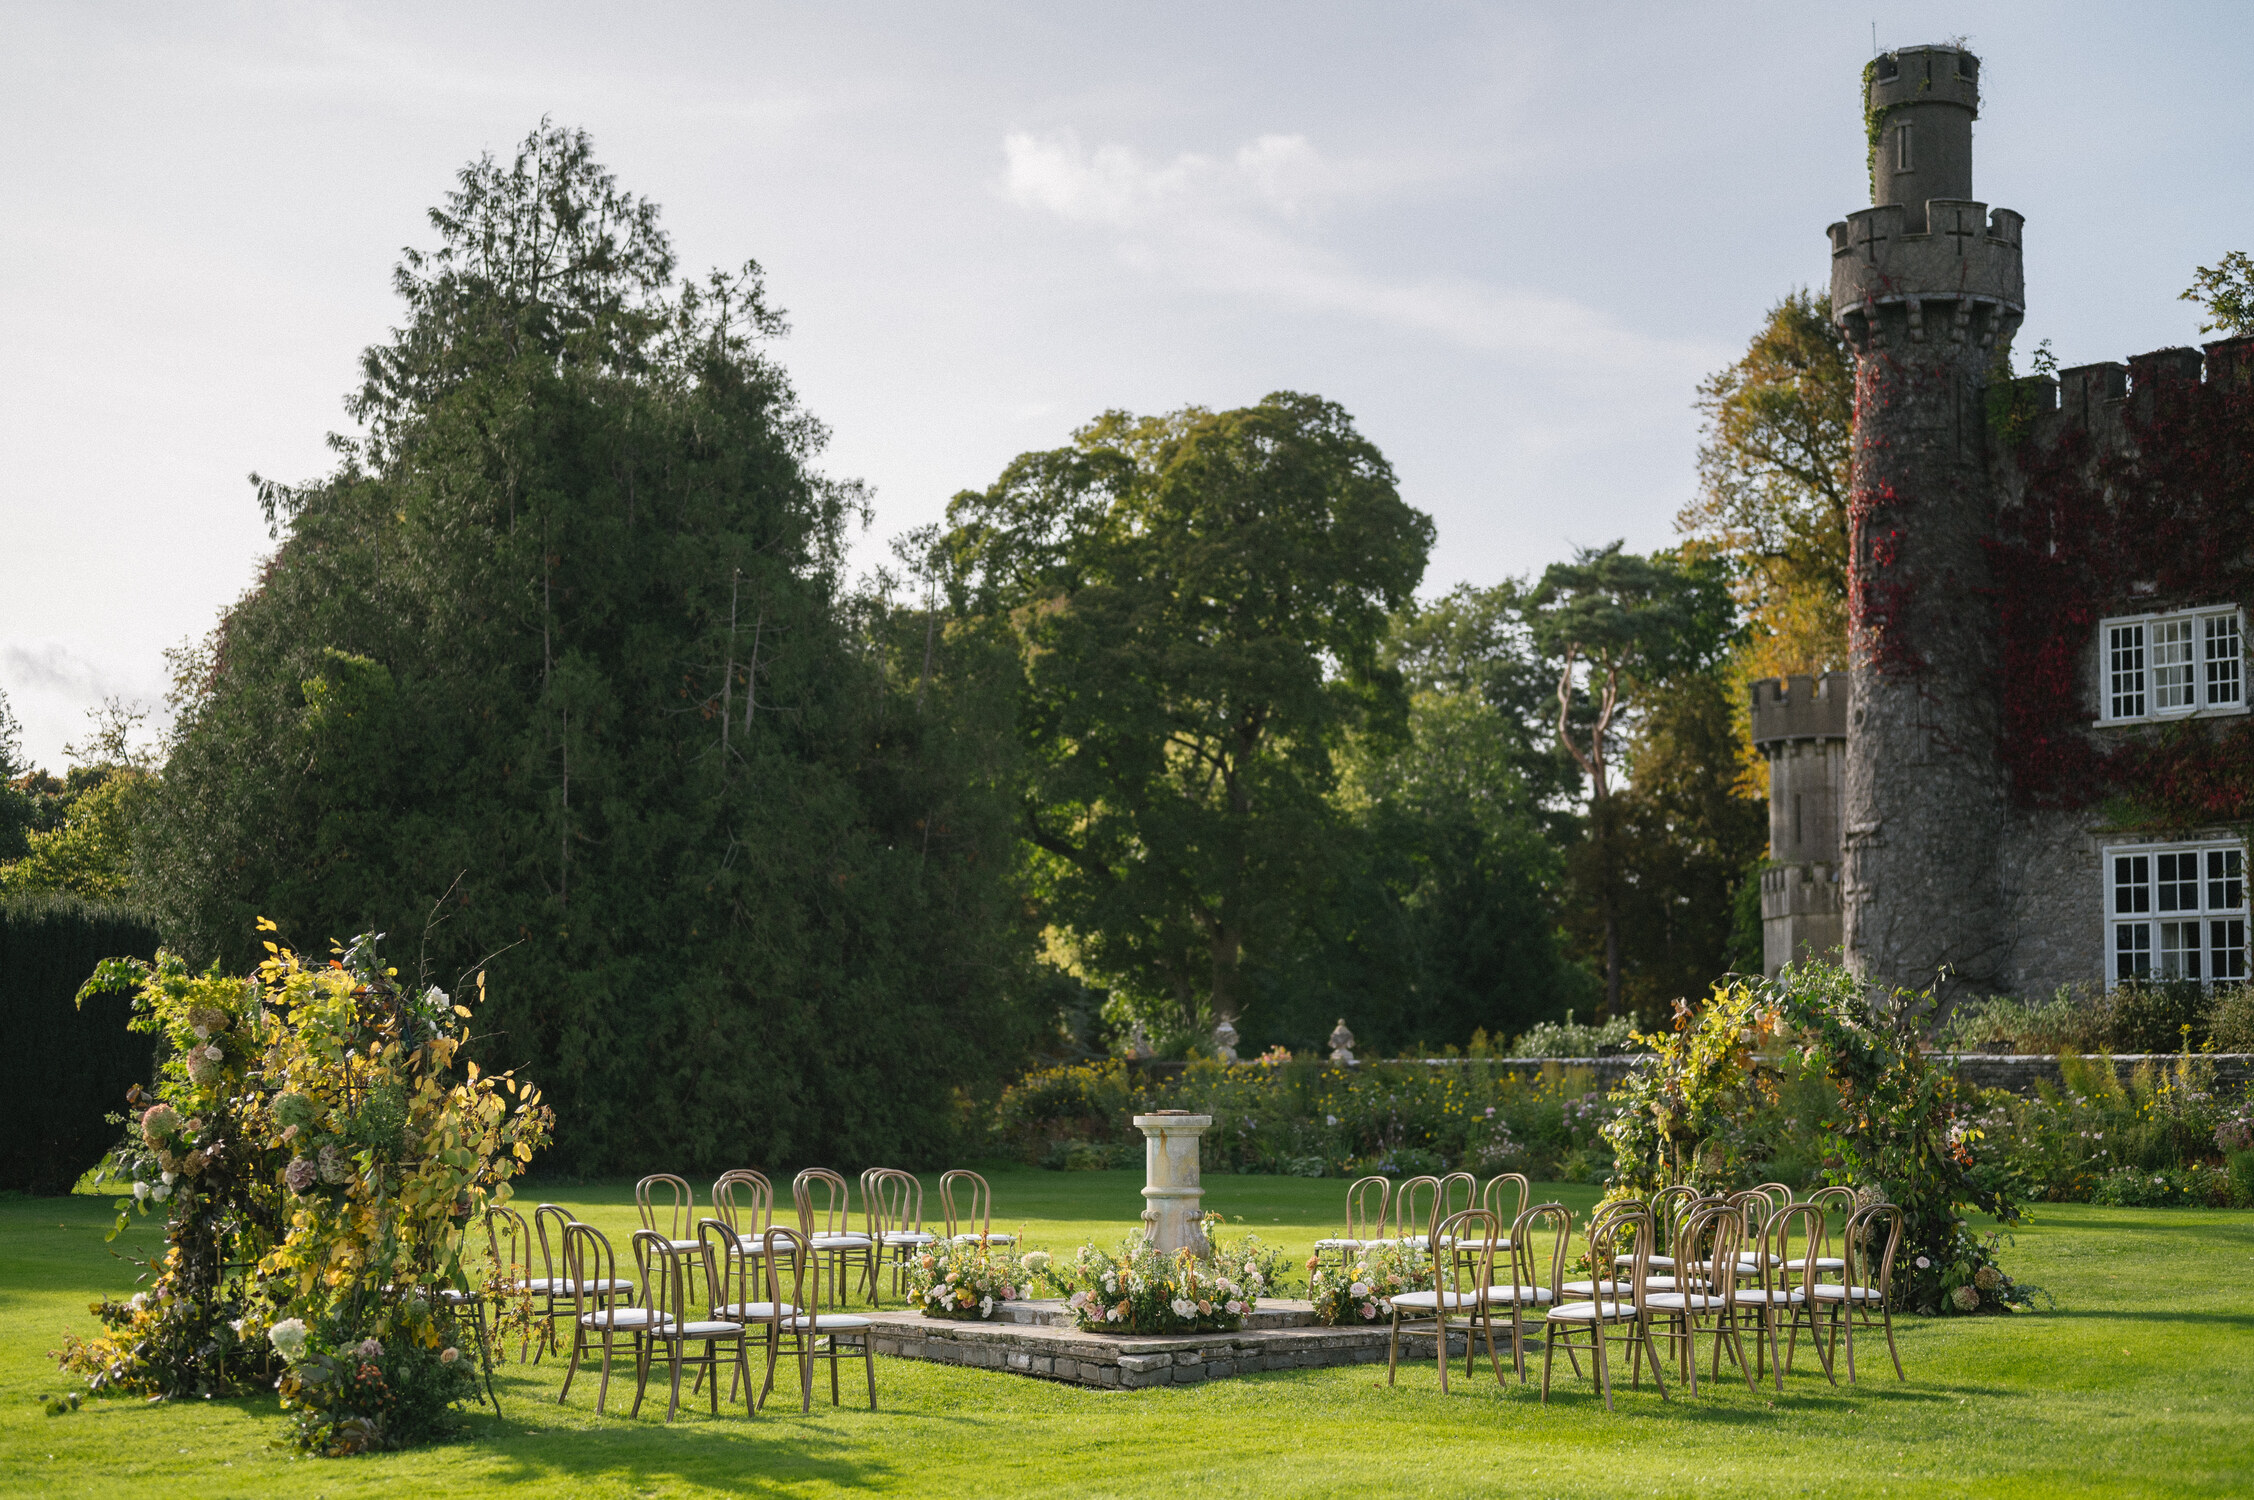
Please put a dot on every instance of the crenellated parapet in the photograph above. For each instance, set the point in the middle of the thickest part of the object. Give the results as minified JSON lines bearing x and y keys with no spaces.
{"x":1961,"y":278}
{"x":2098,"y":399}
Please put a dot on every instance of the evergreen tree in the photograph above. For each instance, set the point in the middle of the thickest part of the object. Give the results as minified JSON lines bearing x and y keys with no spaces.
{"x":555,"y":676}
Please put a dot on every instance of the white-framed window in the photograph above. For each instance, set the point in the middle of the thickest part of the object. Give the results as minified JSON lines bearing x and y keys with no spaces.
{"x":2176,"y":911}
{"x":2171,"y":666}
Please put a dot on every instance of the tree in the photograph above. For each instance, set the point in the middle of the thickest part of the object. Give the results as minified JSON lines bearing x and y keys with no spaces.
{"x":1773,"y":474}
{"x":1614,"y":622}
{"x":2226,"y":291}
{"x":556,"y":669}
{"x":1198,"y":602}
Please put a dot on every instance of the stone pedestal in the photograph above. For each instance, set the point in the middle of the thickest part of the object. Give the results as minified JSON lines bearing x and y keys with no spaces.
{"x":1171,"y":1191}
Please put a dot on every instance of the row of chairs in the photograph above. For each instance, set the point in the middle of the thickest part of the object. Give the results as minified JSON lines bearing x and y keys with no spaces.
{"x":891,"y":1231}
{"x":1672,"y":1271}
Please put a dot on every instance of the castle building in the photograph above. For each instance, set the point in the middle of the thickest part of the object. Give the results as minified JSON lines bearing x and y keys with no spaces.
{"x":2041,"y":769}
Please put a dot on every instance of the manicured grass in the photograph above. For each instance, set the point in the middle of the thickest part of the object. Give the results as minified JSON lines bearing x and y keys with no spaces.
{"x":2141,"y":1381}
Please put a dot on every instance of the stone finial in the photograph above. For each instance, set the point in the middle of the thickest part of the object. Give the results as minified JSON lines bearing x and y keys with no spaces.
{"x":1341,"y":1043}
{"x":1138,"y":1043}
{"x":1225,"y":1041}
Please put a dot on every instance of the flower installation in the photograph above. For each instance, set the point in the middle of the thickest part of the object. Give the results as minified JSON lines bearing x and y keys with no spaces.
{"x":321,"y":1151}
{"x":968,"y":1279}
{"x":1141,"y":1290}
{"x":1362,"y":1290}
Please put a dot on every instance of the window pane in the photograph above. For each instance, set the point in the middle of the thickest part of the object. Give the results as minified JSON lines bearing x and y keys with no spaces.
{"x":2132,"y":950}
{"x":2226,"y":887}
{"x":2132,"y":879}
{"x":2179,"y":950}
{"x":2178,"y":887}
{"x":2171,"y":665}
{"x":2125,"y":670}
{"x":2228,"y":942}
{"x":2223,"y":659}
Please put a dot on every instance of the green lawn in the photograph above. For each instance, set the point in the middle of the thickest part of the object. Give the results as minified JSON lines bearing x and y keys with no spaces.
{"x":2137,"y":1383}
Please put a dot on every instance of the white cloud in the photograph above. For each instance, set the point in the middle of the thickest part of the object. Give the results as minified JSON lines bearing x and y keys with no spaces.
{"x":1248,"y":223}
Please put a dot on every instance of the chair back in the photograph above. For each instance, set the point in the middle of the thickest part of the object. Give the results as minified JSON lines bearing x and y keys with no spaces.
{"x":1620,"y":1228}
{"x":1466,"y":1226}
{"x":790,"y":1265}
{"x":893,"y":1201}
{"x":728,"y":1269}
{"x":1458,"y":1191}
{"x":1754,"y":1207}
{"x":1806,"y":1221}
{"x":825,"y":1203}
{"x":591,"y":1269}
{"x":1779,"y":1194}
{"x":508,"y":1243}
{"x":1366,"y":1204}
{"x":744,"y":1200}
{"x":1527,"y":1267}
{"x":1709,"y":1244}
{"x":1670,"y":1208}
{"x":556,"y":1219}
{"x":1416,"y":1209}
{"x":1872,"y":1236}
{"x":669,"y":1277}
{"x":1834,"y":1200}
{"x":976,"y":1204}
{"x":663,"y":1195}
{"x":1491,"y":1196}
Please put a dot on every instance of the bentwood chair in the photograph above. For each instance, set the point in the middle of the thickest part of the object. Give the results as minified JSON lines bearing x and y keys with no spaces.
{"x":739,"y":1291}
{"x":668,"y":1206}
{"x":674,"y":1278}
{"x":814,"y":1328}
{"x":1832,"y":1200}
{"x":1782,"y":1299}
{"x":1866,"y":1292}
{"x":744,"y":1200}
{"x":1491,"y":1199}
{"x":1455,"y":1294}
{"x":1605,"y":1278}
{"x":825,"y":1218}
{"x":1367,"y":1201}
{"x":892,"y":1203}
{"x":1533,"y":1285}
{"x":1619,"y":1312}
{"x":976,"y":1206}
{"x":556,"y":1292}
{"x":597,"y":1316}
{"x":509,"y":1278}
{"x":1707,"y":1245}
{"x":1416,"y":1211}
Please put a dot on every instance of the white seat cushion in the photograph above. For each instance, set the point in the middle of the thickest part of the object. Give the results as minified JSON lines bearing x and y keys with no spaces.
{"x":711,"y":1330}
{"x":682,"y":1247}
{"x":1340,"y":1244}
{"x":991,"y":1239}
{"x":1657,"y":1262}
{"x":453,"y":1297}
{"x":1759,"y":1298}
{"x":825,"y":1322}
{"x":841,"y":1242}
{"x":1829,"y":1291}
{"x":624,"y":1318}
{"x":1472,"y":1245}
{"x":1593,"y":1311}
{"x":1522,"y":1295}
{"x":754,"y":1312}
{"x":909,"y":1237}
{"x":1680,"y":1301}
{"x":563,"y":1288}
{"x":1823,"y":1263}
{"x":1432,"y":1299}
{"x":1589,"y":1288}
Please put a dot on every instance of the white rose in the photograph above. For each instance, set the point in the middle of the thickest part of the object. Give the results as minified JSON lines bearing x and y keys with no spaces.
{"x":141,"y":1191}
{"x":1358,"y":1289}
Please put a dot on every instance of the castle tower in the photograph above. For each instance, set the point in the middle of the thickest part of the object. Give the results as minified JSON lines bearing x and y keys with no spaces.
{"x":1800,"y":727}
{"x":1928,"y":287}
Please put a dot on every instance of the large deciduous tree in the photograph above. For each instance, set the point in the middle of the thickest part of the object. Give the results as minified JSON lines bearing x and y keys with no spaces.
{"x":1199,"y":601}
{"x":556,"y":668}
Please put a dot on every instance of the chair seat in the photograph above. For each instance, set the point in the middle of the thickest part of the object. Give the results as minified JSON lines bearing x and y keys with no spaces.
{"x":1833,"y":1292}
{"x":455,"y":1297}
{"x":1336,"y":1244}
{"x":1593,"y":1312}
{"x":1657,"y":1262}
{"x":1538,"y":1295}
{"x":826,"y":1323}
{"x":991,"y":1239}
{"x":1473,"y":1245}
{"x":1823,"y":1263}
{"x":683,"y":1247}
{"x":711,"y":1329}
{"x":841,"y":1242}
{"x":1684,"y":1301}
{"x":563,"y":1288}
{"x":1589,"y":1288}
{"x":1433,"y":1299}
{"x":1759,"y":1298}
{"x":755,"y":1312}
{"x":909,"y":1237}
{"x":624,"y":1318}
{"x":747,"y":1250}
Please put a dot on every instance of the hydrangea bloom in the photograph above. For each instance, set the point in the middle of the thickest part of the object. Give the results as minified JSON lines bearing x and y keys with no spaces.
{"x":288,"y":1338}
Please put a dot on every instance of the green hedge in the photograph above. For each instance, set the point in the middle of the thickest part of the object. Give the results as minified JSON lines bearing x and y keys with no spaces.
{"x":61,"y":1068}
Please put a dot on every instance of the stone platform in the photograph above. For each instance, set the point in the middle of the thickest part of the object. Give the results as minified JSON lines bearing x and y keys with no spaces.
{"x":1038,"y":1339}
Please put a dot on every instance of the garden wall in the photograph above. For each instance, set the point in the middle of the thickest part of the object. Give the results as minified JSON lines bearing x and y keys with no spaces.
{"x":1988,"y":1070}
{"x":63,"y":1068}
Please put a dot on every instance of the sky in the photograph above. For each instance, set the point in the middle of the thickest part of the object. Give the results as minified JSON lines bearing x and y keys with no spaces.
{"x":1510,"y":239}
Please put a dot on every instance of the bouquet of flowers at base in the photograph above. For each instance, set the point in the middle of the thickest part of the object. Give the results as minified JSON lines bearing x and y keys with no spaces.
{"x":347,"y":1395}
{"x":1141,"y":1290}
{"x":965,"y":1280}
{"x":1362,"y":1291}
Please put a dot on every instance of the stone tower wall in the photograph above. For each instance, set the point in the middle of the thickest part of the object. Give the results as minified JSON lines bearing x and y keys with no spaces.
{"x":1800,"y":728}
{"x":1929,"y":309}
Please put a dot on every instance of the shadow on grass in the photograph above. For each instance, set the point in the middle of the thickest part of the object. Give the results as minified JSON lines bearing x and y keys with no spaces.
{"x":2227,"y":1320}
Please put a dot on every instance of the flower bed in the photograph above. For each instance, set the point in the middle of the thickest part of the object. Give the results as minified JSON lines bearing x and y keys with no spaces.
{"x":1142,"y":1290}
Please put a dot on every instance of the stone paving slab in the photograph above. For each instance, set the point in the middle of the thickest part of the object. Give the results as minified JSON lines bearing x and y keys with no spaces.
{"x":1059,"y":1352}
